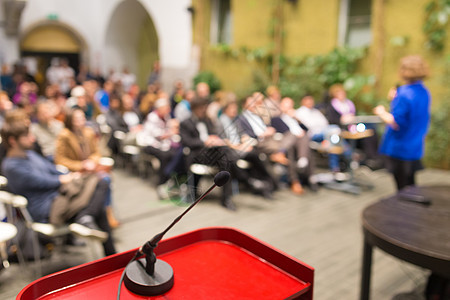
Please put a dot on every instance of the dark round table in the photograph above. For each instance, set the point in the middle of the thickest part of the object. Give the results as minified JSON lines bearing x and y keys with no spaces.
{"x":414,"y":232}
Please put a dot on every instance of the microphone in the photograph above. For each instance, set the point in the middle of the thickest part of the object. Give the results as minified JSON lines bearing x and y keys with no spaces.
{"x":150,"y":276}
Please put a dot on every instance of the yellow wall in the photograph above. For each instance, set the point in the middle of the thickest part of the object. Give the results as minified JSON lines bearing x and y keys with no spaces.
{"x":147,"y":51}
{"x":311,"y":27}
{"x":50,"y":38}
{"x":406,"y":18}
{"x":250,"y":22}
{"x":304,"y":32}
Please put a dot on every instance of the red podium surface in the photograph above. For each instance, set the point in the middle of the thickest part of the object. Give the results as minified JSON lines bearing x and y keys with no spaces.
{"x":209,"y":263}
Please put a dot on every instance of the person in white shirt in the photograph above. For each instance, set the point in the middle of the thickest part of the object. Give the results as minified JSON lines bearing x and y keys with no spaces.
{"x":161,"y":139}
{"x":319,"y":129}
{"x":252,"y":124}
{"x":296,"y":141}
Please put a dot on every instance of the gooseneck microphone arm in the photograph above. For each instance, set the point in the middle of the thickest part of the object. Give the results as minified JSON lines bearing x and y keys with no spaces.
{"x":148,"y":247}
{"x":220,"y":179}
{"x":150,"y":276}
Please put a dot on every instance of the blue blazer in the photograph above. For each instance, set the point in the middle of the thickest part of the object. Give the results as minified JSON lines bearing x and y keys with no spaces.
{"x":411,"y":111}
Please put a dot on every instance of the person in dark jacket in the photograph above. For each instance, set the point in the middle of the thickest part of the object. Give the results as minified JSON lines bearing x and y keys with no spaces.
{"x":37,"y":179}
{"x":199,"y":135}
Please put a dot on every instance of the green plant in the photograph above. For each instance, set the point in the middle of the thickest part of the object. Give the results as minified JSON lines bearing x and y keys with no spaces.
{"x":437,"y":15}
{"x":437,"y":146}
{"x":313,"y":74}
{"x":209,"y":78}
{"x":437,"y":153}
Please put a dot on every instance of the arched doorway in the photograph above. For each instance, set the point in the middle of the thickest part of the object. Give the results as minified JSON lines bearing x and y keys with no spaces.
{"x":47,"y":40}
{"x":131,"y":40}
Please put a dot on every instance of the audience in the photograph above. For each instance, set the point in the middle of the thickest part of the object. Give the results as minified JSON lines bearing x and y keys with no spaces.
{"x":38,"y":180}
{"x":271,"y":104}
{"x":46,"y":129}
{"x":259,"y":178}
{"x":5,"y":106}
{"x":103,"y":95}
{"x":200,"y":135}
{"x":267,"y":136}
{"x":281,"y":148}
{"x":341,"y":111}
{"x":253,"y":126}
{"x":319,"y":130}
{"x":183,"y":108}
{"x":162,"y":140}
{"x":77,"y":148}
{"x":296,"y":141}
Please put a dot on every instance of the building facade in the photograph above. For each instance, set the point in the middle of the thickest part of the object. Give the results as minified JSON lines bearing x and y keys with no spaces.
{"x":390,"y":29}
{"x":102,"y":34}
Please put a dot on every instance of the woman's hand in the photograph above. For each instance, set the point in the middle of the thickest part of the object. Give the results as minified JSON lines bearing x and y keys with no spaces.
{"x":379,"y":110}
{"x":392,"y":93}
{"x":89,"y":165}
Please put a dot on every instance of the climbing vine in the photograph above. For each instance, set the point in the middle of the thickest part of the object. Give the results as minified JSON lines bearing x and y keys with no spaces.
{"x":437,"y":19}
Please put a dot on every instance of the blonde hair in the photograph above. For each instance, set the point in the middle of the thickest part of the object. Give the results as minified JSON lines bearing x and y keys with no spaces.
{"x":335,"y":88}
{"x":272,"y":89}
{"x":413,"y":68}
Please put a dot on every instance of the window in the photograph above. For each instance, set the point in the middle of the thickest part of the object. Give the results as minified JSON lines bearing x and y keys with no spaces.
{"x":355,"y":21}
{"x":221,"y":22}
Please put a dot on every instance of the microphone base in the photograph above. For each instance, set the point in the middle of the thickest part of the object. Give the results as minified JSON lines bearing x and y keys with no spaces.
{"x":139,"y":282}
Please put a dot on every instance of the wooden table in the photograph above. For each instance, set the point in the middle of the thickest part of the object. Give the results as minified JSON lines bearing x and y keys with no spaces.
{"x":414,"y":232}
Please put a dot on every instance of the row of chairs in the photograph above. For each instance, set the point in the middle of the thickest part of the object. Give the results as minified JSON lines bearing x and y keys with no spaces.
{"x":28,"y":235}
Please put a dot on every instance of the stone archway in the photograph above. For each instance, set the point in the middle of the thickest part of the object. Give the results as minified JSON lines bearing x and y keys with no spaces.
{"x":49,"y":39}
{"x":131,"y":41}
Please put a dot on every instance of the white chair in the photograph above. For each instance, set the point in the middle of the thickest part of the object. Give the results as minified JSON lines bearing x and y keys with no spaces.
{"x":20,"y":203}
{"x":7,"y":232}
{"x":128,"y":153}
{"x":58,"y":234}
{"x":145,"y":161}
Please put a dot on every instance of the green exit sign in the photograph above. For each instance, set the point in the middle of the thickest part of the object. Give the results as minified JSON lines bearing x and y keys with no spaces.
{"x":52,"y":17}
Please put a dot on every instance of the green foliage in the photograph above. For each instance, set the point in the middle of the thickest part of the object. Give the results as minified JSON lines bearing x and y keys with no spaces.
{"x":209,"y":78}
{"x":437,"y":153}
{"x":314,"y":74}
{"x":434,"y":27}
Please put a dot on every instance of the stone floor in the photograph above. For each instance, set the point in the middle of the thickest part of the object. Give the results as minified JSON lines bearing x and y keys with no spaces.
{"x":322,"y":228}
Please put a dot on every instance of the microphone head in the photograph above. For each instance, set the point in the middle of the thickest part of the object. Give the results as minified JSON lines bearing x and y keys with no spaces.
{"x":222,"y":178}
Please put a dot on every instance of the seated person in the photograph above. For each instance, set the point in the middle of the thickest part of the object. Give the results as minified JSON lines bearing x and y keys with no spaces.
{"x":46,"y":129}
{"x":295,"y":140}
{"x":320,"y":130}
{"x":115,"y":122}
{"x":182,"y":110}
{"x":102,"y":96}
{"x":199,"y":135}
{"x":130,"y":114}
{"x":77,"y":148}
{"x":341,"y":111}
{"x":122,"y":116}
{"x":271,"y":103}
{"x":275,"y":145}
{"x":5,"y":106}
{"x":37,"y":179}
{"x":162,"y":140}
{"x":252,"y":124}
{"x":260,"y":179}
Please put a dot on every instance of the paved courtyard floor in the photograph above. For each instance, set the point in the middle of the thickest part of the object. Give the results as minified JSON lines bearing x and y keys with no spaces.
{"x":322,"y":228}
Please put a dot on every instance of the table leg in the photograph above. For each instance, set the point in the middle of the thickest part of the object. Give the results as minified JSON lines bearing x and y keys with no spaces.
{"x":366,"y":271}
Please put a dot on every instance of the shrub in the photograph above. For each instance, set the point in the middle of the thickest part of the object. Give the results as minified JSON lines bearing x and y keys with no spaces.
{"x":209,"y":78}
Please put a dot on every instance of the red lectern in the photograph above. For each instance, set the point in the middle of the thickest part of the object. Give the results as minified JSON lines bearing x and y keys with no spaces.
{"x":209,"y":263}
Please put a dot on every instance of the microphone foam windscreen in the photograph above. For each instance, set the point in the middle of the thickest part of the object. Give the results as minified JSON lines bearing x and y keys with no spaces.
{"x":222,"y":178}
